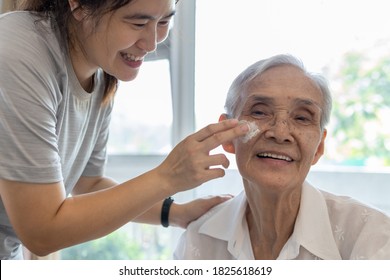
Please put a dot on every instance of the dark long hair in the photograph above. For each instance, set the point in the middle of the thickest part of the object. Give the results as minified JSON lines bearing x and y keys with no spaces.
{"x":59,"y":10}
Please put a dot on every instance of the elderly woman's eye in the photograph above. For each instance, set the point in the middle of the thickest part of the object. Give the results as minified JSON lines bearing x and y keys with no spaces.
{"x":258,"y":113}
{"x":303,"y":118}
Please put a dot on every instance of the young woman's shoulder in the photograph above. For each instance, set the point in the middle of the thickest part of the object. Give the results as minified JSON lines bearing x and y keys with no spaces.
{"x":25,"y":34}
{"x":29,"y":43}
{"x":32,"y":64}
{"x":17,"y":20}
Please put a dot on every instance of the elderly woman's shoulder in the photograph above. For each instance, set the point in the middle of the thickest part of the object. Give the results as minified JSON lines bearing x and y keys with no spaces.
{"x":350,"y":211}
{"x":360,"y":231}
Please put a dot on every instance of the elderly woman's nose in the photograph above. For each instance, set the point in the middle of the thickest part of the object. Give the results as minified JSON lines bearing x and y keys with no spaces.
{"x":279,"y":129}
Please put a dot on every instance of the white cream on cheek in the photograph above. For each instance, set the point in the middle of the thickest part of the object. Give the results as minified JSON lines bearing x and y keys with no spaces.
{"x":253,"y":131}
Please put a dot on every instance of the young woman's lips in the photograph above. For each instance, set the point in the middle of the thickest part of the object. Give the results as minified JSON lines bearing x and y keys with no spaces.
{"x":132,"y":61}
{"x":133,"y":64}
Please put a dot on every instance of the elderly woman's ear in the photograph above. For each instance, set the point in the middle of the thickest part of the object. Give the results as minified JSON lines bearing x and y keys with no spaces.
{"x":228,"y":146}
{"x":320,"y":149}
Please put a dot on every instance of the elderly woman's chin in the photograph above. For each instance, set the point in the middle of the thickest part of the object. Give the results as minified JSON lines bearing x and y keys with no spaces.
{"x":272,"y":183}
{"x":272,"y":180}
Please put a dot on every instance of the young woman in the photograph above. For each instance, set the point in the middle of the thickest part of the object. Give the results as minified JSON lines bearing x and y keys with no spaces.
{"x":60,"y":63}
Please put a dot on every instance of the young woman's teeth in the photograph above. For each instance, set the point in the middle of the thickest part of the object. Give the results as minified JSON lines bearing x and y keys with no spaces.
{"x":131,"y":57}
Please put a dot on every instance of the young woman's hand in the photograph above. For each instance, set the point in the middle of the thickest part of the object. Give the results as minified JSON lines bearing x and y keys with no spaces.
{"x":190,"y":163}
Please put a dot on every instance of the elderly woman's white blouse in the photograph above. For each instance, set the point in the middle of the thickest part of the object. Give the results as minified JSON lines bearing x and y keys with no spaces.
{"x":328,"y":227}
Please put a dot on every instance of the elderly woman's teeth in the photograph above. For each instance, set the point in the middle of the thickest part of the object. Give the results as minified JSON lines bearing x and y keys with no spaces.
{"x":274,"y":156}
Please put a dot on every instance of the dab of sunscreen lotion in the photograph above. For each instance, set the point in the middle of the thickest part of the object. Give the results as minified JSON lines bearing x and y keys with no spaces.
{"x":253,"y":131}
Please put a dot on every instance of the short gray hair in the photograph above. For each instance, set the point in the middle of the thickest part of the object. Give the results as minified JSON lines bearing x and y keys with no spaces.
{"x":234,"y":99}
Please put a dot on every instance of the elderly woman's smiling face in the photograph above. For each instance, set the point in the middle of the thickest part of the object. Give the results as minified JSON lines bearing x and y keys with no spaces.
{"x":286,"y":106}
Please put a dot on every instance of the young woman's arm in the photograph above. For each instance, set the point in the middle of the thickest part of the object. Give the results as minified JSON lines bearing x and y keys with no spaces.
{"x":180,"y":215}
{"x":46,"y":220}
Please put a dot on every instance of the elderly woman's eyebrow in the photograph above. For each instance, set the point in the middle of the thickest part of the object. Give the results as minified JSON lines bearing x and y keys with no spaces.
{"x":307,"y":102}
{"x":260,"y":99}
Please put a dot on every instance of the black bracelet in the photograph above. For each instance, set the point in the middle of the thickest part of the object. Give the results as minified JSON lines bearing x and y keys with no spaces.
{"x":165,"y":211}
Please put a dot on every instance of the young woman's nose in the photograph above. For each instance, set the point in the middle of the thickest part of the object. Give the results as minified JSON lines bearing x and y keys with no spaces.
{"x":148,"y":39}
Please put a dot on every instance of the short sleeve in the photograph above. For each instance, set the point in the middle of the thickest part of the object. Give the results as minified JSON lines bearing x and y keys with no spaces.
{"x":28,"y":102}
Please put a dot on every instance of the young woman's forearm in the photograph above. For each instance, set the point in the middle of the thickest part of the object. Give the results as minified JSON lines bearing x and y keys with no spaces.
{"x":64,"y":222}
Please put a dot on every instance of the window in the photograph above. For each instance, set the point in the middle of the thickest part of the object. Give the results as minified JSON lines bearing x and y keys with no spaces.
{"x":142,"y":110}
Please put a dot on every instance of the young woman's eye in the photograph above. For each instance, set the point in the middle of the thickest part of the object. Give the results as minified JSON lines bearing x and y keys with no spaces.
{"x":139,"y":25}
{"x":164,"y":22}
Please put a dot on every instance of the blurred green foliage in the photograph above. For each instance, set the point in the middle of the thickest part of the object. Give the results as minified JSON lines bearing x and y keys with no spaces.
{"x":361,"y":110}
{"x":115,"y":246}
{"x":132,"y":242}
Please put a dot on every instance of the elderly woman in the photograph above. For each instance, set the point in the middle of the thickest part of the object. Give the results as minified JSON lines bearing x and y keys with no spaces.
{"x":279,"y":215}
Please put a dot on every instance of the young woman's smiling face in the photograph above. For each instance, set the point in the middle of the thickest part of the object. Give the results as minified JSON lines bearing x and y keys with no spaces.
{"x":286,"y":106}
{"x":121,"y":39}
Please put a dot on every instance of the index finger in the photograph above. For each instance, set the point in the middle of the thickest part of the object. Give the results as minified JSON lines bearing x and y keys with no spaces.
{"x":211,"y":129}
{"x":219,"y":133}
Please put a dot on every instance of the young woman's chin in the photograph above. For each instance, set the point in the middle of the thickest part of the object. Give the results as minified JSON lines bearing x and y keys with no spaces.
{"x":127,"y":77}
